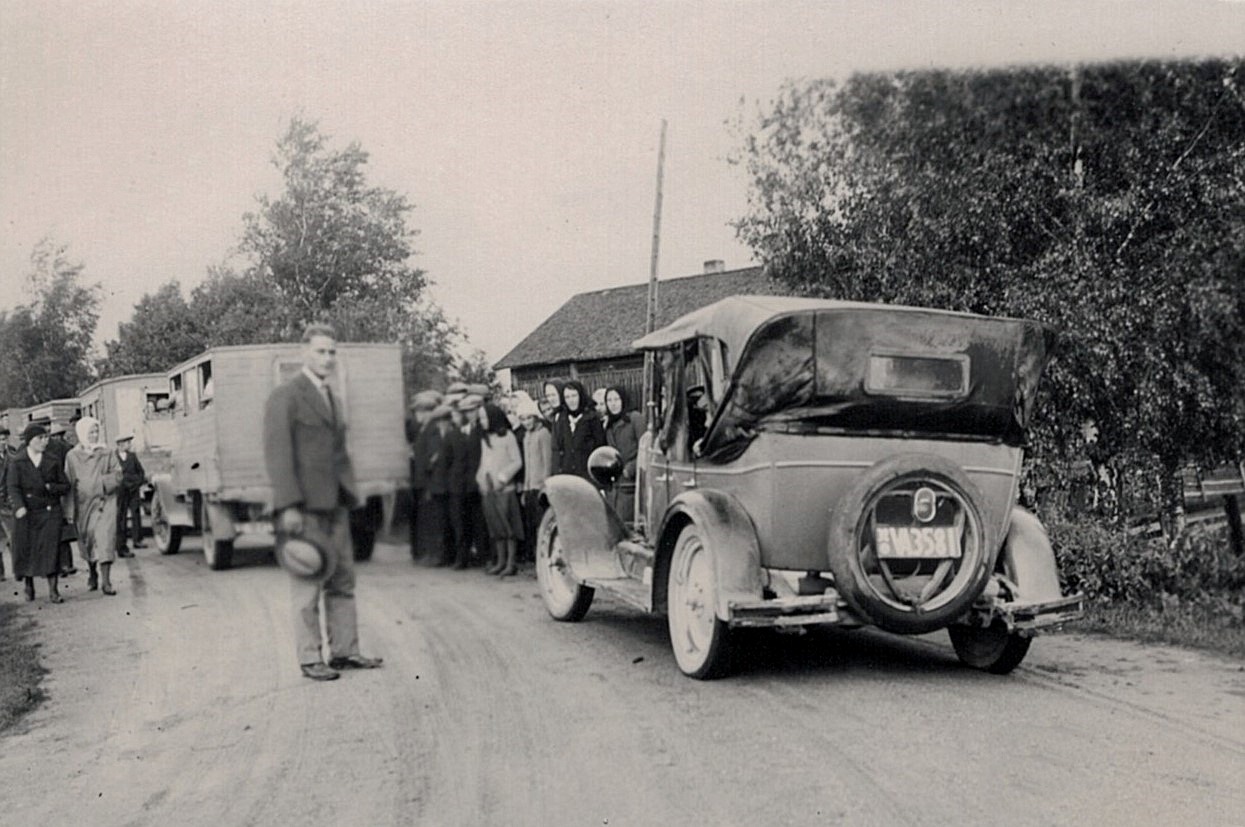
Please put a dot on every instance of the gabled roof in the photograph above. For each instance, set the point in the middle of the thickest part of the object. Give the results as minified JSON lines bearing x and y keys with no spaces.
{"x":603,"y":324}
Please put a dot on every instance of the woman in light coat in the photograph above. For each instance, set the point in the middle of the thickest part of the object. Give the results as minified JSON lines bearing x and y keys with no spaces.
{"x":94,"y":472}
{"x":500,"y":466}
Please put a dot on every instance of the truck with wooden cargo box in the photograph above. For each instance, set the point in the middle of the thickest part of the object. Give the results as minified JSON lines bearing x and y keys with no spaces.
{"x":217,"y":483}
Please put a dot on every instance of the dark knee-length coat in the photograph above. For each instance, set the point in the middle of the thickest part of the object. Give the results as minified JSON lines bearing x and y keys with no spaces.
{"x":38,"y":489}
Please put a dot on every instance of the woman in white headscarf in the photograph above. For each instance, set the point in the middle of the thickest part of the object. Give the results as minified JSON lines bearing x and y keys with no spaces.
{"x":95,"y":474}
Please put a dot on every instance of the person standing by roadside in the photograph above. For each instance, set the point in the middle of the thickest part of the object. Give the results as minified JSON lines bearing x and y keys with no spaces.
{"x":36,"y":481}
{"x":537,"y":465}
{"x":426,"y":532}
{"x":313,"y":485}
{"x":578,"y":432}
{"x":129,"y":500}
{"x":96,"y":476}
{"x":60,"y":448}
{"x":623,"y":429}
{"x":475,"y":530}
{"x":6,"y":509}
{"x":500,"y":465}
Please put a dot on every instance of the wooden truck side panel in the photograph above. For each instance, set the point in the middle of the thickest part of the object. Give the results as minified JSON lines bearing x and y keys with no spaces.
{"x":219,"y":417}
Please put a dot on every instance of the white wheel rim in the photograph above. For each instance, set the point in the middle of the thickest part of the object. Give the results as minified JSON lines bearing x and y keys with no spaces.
{"x":692,"y":613}
{"x":556,"y":582}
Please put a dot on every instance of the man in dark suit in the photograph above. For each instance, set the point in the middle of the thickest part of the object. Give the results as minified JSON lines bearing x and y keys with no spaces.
{"x":129,"y":501}
{"x":313,"y":484}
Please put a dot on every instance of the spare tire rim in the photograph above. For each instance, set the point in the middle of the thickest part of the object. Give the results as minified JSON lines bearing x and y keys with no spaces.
{"x":915,"y":560}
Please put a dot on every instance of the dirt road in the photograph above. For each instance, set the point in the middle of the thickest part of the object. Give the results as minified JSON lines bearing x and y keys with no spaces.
{"x":179,"y":702}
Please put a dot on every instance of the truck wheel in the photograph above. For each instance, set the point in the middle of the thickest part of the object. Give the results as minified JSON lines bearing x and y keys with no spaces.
{"x":168,"y":537}
{"x":364,"y":526}
{"x":991,"y":649}
{"x":911,"y":590}
{"x":218,"y":554}
{"x":700,"y":640}
{"x":566,"y":599}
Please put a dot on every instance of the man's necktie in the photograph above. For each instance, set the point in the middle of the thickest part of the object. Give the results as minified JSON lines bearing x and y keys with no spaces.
{"x":328,"y":397}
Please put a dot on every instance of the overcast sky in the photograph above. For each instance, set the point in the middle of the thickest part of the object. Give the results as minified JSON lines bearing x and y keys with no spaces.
{"x":525,"y":134}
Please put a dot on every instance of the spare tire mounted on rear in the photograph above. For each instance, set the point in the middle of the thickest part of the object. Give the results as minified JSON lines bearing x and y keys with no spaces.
{"x":908,"y":547}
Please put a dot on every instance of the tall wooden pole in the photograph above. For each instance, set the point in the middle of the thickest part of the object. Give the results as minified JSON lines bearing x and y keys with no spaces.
{"x":650,"y":319}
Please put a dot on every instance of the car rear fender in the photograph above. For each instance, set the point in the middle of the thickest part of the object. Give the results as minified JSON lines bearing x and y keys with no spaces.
{"x":1028,"y":559}
{"x":178,"y":511}
{"x":728,"y":532}
{"x":588,"y":528}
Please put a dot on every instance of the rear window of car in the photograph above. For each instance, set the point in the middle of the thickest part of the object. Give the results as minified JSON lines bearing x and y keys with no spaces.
{"x":912,"y":375}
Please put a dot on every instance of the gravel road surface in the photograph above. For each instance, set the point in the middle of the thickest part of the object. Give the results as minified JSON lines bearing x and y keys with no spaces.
{"x":179,"y":702}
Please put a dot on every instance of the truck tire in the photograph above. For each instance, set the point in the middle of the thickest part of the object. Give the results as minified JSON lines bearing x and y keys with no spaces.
{"x":365,"y":524}
{"x":168,"y":537}
{"x":911,"y":594}
{"x":218,"y":554}
{"x":991,"y":649}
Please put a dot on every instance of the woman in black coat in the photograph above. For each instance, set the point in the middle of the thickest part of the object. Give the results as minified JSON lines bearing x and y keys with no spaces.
{"x":36,"y":480}
{"x":577,"y":432}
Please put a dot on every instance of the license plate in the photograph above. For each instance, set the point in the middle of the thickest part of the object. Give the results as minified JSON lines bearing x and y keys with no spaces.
{"x":917,"y":541}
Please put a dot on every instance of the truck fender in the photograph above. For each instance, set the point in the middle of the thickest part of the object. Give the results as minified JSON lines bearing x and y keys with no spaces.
{"x":589,"y":529}
{"x":726,"y":526}
{"x":177,"y":511}
{"x":1028,"y":559}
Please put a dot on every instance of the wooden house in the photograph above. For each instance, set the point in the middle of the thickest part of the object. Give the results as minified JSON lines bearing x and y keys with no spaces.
{"x":589,"y":338}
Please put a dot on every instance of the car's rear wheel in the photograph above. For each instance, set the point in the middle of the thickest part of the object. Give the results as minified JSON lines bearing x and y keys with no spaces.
{"x":168,"y":537}
{"x":566,"y":599}
{"x":908,"y":546}
{"x":700,"y":640}
{"x":991,"y":648}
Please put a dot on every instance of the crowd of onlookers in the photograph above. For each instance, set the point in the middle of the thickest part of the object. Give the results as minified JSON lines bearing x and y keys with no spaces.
{"x":479,"y":463}
{"x":62,"y":487}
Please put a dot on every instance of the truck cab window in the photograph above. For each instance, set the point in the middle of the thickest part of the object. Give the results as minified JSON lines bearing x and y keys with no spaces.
{"x":206,"y":385}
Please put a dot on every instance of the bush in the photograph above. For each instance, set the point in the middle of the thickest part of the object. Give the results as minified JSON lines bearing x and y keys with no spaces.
{"x":1108,"y":564}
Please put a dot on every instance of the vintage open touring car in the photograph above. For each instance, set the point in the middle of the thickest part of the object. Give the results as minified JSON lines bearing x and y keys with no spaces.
{"x":820,"y":462}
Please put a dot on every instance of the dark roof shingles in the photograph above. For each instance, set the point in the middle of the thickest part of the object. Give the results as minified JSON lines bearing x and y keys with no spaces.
{"x":603,"y":324}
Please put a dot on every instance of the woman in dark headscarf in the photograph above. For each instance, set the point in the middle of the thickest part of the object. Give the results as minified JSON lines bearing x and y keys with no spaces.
{"x":623,"y":428}
{"x":577,"y":432}
{"x":36,"y":481}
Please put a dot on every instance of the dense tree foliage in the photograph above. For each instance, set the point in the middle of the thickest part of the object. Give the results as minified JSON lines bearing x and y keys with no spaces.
{"x":1107,"y":200}
{"x":161,"y":332}
{"x":46,"y":342}
{"x":338,"y":249}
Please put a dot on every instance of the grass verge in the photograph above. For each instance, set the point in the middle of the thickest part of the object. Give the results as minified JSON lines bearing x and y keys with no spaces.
{"x":1198,"y":626}
{"x":20,"y":672}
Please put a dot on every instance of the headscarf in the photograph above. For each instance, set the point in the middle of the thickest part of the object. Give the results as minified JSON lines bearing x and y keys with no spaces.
{"x":559,"y":385}
{"x":586,"y":405}
{"x":624,"y":413}
{"x":83,"y":429}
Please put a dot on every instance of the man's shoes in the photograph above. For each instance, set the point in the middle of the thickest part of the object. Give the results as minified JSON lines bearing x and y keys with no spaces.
{"x":319,"y":672}
{"x":355,"y":662}
{"x":68,"y":571}
{"x":140,"y":545}
{"x":124,"y":552}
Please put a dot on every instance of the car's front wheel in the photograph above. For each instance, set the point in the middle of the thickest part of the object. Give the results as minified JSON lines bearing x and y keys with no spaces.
{"x":990,"y":648}
{"x":700,"y":640}
{"x":566,"y":599}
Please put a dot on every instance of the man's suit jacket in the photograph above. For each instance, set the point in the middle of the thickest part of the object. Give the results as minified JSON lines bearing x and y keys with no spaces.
{"x":132,"y":472}
{"x":305,"y":449}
